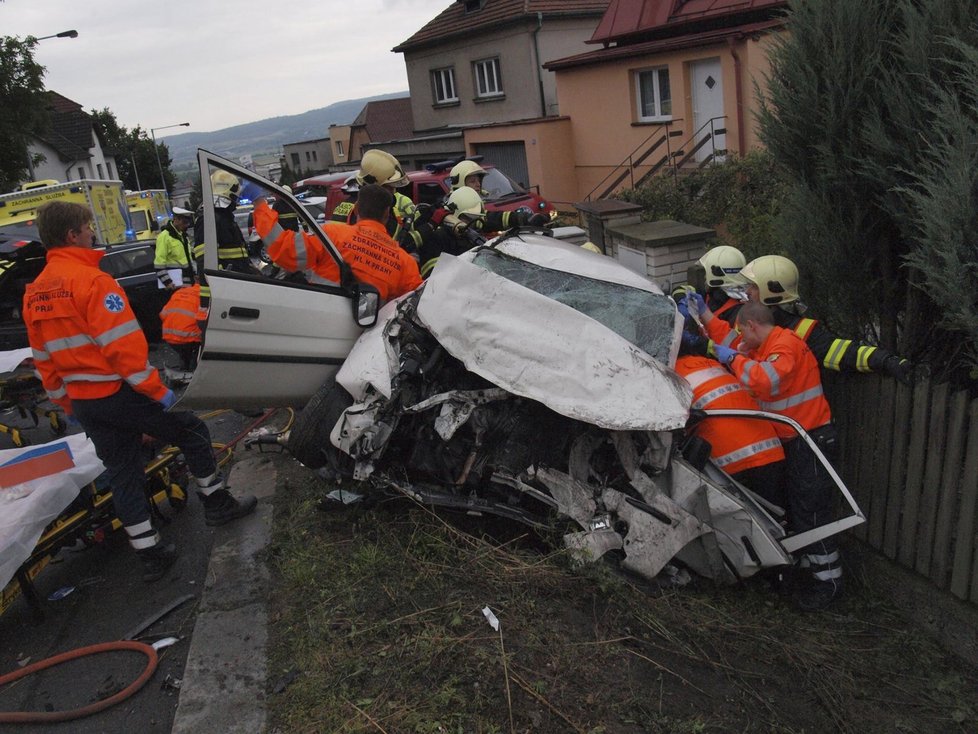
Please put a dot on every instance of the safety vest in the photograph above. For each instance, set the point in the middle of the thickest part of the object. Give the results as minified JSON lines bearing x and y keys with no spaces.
{"x":172,"y":253}
{"x":783,"y":376}
{"x":85,"y":339}
{"x":737,"y":443}
{"x":180,"y":316}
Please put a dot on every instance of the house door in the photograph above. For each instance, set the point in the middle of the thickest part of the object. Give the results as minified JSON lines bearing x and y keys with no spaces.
{"x":706,"y":82}
{"x":510,"y":158}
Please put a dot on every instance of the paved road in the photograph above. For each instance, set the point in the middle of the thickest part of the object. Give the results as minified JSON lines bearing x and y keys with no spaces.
{"x":110,"y":600}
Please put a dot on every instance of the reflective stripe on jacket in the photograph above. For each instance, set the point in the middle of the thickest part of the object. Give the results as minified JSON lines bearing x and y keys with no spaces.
{"x":737,"y":443}
{"x":83,"y":333}
{"x":172,"y":253}
{"x":180,"y":316}
{"x":783,"y":376}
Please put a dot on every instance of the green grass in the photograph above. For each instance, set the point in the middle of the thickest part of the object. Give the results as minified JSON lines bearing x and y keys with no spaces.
{"x":379,"y":613}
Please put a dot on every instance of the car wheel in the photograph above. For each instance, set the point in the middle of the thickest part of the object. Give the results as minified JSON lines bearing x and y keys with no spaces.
{"x":309,"y":437}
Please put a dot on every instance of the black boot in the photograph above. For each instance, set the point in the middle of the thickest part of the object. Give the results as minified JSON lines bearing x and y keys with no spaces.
{"x":157,"y":560}
{"x":815,"y":595}
{"x":221,"y":507}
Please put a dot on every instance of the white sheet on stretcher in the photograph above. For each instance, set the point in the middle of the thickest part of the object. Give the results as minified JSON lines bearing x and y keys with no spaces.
{"x":10,"y":360}
{"x":27,"y":508}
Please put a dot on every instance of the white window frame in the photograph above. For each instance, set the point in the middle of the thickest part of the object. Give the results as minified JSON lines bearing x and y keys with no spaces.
{"x":657,"y":101}
{"x":488,"y":78}
{"x":446,"y":77}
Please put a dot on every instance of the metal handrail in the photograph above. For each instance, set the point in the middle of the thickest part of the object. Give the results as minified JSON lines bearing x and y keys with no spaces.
{"x":663,"y":133}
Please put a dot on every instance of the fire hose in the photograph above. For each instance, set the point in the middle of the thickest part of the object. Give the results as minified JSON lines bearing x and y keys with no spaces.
{"x":36,"y":717}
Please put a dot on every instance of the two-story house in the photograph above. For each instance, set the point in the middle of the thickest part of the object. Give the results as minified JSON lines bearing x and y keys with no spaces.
{"x":70,"y":146}
{"x":672,"y":84}
{"x":477,"y":70}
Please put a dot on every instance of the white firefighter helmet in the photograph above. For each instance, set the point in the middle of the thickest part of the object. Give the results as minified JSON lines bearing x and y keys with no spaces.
{"x":350,"y":185}
{"x":378,"y":167}
{"x":591,"y":247}
{"x":465,"y":203}
{"x":463,"y":170}
{"x":776,"y":278}
{"x":722,"y":263}
{"x":224,"y":188}
{"x":287,"y":188}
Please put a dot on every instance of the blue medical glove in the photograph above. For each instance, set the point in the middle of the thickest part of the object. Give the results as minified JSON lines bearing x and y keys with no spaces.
{"x":683,"y":308}
{"x":695,"y":304}
{"x":72,"y":421}
{"x":724,"y":354}
{"x":168,"y":400}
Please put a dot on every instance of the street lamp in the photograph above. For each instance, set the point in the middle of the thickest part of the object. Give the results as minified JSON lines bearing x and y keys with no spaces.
{"x":63,"y":34}
{"x":152,"y":131}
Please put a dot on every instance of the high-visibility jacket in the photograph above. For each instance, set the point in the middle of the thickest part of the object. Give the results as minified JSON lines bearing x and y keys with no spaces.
{"x":173,"y":253}
{"x":83,"y":334}
{"x":831,"y":351}
{"x":399,"y":226}
{"x":181,"y":315}
{"x":784,"y":378}
{"x":738,"y":443}
{"x":232,"y":250}
{"x":371,"y":254}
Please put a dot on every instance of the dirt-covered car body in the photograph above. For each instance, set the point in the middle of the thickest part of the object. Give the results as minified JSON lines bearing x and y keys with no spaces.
{"x":530,"y":379}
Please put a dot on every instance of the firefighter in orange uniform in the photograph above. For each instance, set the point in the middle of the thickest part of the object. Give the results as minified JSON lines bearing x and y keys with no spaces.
{"x":181,"y":324}
{"x":745,"y":448}
{"x":93,"y":360}
{"x":781,"y":372}
{"x":371,"y":253}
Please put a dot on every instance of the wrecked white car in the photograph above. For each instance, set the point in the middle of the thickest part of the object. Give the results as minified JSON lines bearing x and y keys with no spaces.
{"x":528,"y":379}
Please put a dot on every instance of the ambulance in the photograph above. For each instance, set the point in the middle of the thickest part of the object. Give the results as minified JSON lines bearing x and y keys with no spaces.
{"x":148,"y":212}
{"x":106,"y":199}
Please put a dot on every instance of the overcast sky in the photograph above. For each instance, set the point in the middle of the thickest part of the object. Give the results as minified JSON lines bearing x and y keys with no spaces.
{"x":217,"y":63}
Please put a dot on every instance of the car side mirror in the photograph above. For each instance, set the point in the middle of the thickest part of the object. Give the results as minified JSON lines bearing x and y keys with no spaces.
{"x":366,"y":304}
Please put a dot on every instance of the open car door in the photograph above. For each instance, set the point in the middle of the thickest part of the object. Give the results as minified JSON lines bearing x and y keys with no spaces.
{"x":270,"y":342}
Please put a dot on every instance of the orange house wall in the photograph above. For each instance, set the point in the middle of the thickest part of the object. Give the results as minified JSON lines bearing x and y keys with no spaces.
{"x":549,"y":155}
{"x":600,"y":101}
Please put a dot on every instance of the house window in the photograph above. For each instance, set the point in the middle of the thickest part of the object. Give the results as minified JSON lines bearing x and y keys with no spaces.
{"x":81,"y":173}
{"x":339,"y":148}
{"x":443,"y":84}
{"x":654,"y":97}
{"x":101,"y":172}
{"x":488,"y":82}
{"x":295,"y":160}
{"x":108,"y":167}
{"x":314,"y":155}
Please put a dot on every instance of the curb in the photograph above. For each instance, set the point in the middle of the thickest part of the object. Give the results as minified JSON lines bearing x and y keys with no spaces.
{"x":223,"y":686}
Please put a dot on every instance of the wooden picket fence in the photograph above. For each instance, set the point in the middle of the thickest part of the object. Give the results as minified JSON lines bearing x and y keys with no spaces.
{"x":910,"y":458}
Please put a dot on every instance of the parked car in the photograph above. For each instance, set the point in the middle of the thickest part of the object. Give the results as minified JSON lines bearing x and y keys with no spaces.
{"x":526,"y":378}
{"x":22,"y":259}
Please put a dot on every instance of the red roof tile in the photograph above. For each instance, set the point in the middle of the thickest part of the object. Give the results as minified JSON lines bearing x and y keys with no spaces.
{"x":626,"y":18}
{"x":387,"y":119}
{"x":454,"y":21}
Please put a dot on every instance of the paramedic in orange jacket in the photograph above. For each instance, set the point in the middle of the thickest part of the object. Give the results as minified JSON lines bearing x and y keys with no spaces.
{"x":370,"y":252}
{"x":745,"y":448}
{"x":781,"y":372}
{"x":93,"y":361}
{"x":181,"y":319}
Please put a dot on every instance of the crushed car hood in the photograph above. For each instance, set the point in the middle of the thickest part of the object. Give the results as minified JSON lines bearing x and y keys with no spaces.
{"x":538,"y":348}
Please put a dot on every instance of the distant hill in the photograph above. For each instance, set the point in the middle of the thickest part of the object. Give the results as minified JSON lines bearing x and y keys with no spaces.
{"x":268,"y":135}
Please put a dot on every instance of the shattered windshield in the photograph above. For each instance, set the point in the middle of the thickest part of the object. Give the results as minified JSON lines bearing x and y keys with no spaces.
{"x":642,"y":318}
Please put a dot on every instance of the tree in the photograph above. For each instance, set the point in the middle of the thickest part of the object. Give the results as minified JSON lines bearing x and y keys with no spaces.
{"x":867,"y":109}
{"x":134,"y":153}
{"x":23,"y":114}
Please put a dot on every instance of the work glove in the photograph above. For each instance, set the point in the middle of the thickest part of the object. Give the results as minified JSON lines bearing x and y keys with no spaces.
{"x":724,"y":354}
{"x":168,"y":399}
{"x":901,"y":369}
{"x":438,"y":215}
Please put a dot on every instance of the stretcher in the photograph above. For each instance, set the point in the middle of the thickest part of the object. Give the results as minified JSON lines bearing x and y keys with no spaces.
{"x":85,"y":517}
{"x":21,"y":391}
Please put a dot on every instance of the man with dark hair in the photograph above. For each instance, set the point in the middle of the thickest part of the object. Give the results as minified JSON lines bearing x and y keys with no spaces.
{"x":94,"y":362}
{"x":781,"y":372}
{"x":372,"y":255}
